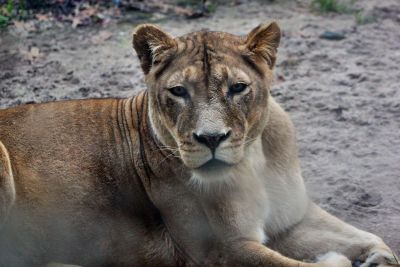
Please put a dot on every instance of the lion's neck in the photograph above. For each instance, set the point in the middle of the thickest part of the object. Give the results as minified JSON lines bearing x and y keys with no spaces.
{"x":267,"y":198}
{"x":151,"y":159}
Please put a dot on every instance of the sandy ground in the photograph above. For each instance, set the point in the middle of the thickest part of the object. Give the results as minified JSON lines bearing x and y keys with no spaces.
{"x":344,"y":96}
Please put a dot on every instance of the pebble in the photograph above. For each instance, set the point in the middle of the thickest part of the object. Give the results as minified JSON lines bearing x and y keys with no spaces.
{"x":334,"y":36}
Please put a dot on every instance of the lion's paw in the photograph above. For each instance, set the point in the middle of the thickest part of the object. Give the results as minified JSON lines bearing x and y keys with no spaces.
{"x":334,"y":259}
{"x":380,"y":257}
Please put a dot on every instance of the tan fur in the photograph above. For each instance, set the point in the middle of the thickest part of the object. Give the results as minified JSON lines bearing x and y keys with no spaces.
{"x":127,"y":182}
{"x":7,"y":188}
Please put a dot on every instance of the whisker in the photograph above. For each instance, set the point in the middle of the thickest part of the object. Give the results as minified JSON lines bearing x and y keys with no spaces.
{"x":169,"y":156}
{"x":167,"y":149}
{"x":233,"y":146}
{"x":250,"y":140}
{"x":190,"y":150}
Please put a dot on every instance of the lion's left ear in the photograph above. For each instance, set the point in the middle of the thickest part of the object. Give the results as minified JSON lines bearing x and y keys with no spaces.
{"x":264,"y":41}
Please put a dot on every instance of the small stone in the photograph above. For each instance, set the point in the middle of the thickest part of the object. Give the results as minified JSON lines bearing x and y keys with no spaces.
{"x":334,"y":36}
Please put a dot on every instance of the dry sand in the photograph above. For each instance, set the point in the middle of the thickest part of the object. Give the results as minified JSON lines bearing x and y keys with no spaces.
{"x":344,"y":96}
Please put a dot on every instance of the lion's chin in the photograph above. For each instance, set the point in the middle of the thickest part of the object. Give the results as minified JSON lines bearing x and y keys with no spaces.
{"x":212,"y":173}
{"x":214,"y":165}
{"x":207,"y":163}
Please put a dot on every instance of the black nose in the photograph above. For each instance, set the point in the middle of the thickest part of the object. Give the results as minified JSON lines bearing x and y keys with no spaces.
{"x":211,"y":140}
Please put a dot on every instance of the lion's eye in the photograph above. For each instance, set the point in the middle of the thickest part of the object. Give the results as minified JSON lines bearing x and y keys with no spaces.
{"x":179,"y":91}
{"x":237,"y":88}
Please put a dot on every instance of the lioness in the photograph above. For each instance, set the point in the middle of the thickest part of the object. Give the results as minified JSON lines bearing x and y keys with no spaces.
{"x":201,"y":169}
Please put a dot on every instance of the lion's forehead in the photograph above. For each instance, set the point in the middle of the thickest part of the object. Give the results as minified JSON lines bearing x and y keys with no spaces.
{"x":211,"y":39}
{"x":206,"y":57}
{"x":205,"y":48}
{"x":219,"y":73}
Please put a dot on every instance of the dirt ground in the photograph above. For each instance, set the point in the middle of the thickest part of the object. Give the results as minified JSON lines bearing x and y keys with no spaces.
{"x":343,"y":96}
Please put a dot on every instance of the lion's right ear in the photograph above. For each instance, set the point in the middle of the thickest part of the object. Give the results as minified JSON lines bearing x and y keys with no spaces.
{"x":150,"y":42}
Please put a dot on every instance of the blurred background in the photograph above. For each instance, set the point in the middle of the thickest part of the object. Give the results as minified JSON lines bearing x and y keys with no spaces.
{"x":338,"y":75}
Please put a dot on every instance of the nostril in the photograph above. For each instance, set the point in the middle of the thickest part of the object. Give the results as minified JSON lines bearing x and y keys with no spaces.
{"x":199,"y":138}
{"x":225,"y":136}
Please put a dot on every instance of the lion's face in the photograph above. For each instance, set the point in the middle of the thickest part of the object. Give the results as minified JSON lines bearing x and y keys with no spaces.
{"x":208,"y":91}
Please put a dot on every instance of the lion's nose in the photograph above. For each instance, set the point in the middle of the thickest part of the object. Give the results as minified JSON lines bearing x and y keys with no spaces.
{"x":211,"y":140}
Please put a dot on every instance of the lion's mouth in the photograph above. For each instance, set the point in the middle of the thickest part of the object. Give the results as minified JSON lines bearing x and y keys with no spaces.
{"x":214,"y":164}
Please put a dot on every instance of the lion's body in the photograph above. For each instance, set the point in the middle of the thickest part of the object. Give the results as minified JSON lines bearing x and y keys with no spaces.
{"x":79,"y":192}
{"x":199,"y":169}
{"x":80,"y":188}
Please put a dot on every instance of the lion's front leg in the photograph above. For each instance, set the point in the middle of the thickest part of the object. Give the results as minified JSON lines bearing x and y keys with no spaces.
{"x":320,"y":232}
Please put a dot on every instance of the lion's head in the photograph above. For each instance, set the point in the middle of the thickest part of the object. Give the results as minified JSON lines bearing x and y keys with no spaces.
{"x":208,"y":91}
